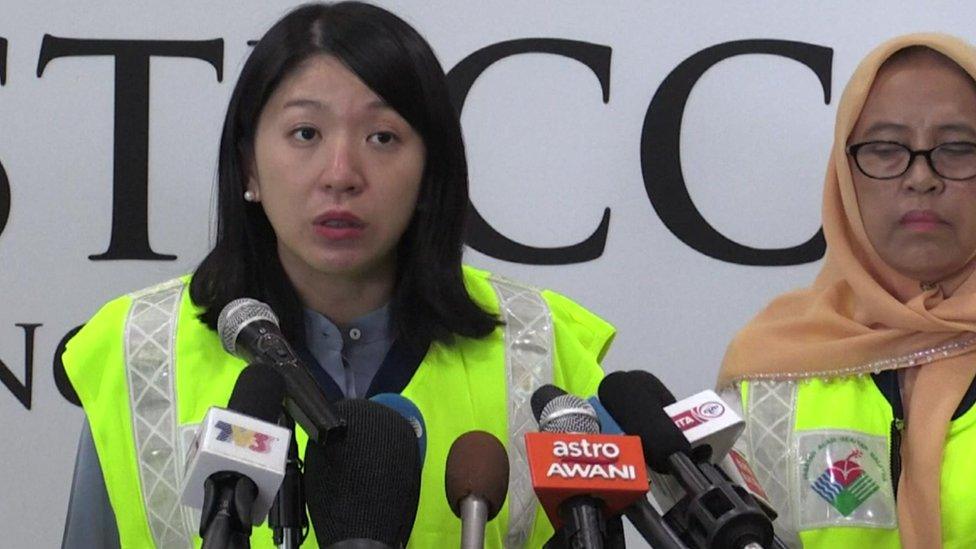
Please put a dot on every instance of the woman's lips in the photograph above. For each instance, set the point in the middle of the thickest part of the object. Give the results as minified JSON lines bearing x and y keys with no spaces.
{"x":921,"y":220}
{"x":338,"y":225}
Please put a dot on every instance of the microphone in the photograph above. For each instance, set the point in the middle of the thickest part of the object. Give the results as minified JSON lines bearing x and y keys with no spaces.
{"x":715,"y":513}
{"x":646,"y":518}
{"x":409,"y":411}
{"x":236,"y":463}
{"x":710,"y":425}
{"x":608,"y":425}
{"x":249,"y":329}
{"x":476,"y":482}
{"x":363,"y":485}
{"x":578,"y":474}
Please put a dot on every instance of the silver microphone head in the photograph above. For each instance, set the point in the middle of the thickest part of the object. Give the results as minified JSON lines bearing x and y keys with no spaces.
{"x":236,"y":315}
{"x":569,"y":414}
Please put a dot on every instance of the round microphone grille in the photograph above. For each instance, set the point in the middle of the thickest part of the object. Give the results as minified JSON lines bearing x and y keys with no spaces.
{"x":236,"y":315}
{"x":569,"y":414}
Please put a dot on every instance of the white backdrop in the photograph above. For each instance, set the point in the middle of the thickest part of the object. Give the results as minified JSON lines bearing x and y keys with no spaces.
{"x":547,"y":155}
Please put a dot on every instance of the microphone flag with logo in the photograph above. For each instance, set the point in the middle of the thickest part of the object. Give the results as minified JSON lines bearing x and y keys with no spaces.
{"x":237,"y":459}
{"x":580,"y":476}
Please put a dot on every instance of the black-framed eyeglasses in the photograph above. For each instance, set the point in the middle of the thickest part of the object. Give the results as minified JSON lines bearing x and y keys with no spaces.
{"x":889,"y":159}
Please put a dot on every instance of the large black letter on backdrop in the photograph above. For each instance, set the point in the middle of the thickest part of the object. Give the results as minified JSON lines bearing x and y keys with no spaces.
{"x":661,"y":153}
{"x":3,"y":61}
{"x":482,"y":236}
{"x":22,"y":390}
{"x":4,"y":183}
{"x":4,"y":199}
{"x":130,"y":179}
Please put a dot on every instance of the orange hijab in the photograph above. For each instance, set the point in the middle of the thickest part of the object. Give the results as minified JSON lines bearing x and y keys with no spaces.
{"x":861,"y":316}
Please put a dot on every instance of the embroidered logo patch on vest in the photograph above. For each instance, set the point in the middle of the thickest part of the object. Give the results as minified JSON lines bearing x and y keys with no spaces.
{"x":845,"y":485}
{"x":844,"y":480}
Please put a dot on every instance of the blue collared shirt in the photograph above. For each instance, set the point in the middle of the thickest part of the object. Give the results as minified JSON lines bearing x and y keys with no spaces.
{"x":351,"y":355}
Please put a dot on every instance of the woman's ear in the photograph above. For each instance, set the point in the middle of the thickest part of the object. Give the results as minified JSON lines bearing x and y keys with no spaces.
{"x":253,"y":188}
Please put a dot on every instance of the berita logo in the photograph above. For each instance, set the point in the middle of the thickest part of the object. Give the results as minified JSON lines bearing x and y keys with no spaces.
{"x":845,"y":485}
{"x":702,"y":413}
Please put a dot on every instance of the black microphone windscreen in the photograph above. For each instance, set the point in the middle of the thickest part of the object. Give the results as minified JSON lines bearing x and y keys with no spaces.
{"x":258,"y":392}
{"x":364,"y":483}
{"x":542,"y":396}
{"x":634,"y":402}
{"x":652,"y":384}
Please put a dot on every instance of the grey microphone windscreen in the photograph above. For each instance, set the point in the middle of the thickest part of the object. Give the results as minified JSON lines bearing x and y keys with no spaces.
{"x":236,"y":315}
{"x":569,"y":414}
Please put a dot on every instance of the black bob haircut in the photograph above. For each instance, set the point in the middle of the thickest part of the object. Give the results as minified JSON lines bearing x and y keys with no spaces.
{"x":429,"y":300}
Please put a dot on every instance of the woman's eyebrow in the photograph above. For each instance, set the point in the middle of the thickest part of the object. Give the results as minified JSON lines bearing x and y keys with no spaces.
{"x":315,"y":104}
{"x":958,"y":128}
{"x":305,"y":104}
{"x":879,"y":127}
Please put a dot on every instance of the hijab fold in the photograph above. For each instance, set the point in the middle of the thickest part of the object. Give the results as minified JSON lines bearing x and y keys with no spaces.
{"x":861,"y":316}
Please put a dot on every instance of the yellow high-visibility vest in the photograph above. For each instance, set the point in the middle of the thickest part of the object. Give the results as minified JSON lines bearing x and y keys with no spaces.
{"x":147,"y":369}
{"x":827,"y":451}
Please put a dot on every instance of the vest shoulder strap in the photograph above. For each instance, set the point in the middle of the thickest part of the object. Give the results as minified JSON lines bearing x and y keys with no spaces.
{"x":150,"y":343}
{"x":767,"y":442}
{"x":528,"y":361}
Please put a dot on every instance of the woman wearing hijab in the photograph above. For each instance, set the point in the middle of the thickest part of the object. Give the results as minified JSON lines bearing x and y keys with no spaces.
{"x":858,"y":391}
{"x":342,"y":192}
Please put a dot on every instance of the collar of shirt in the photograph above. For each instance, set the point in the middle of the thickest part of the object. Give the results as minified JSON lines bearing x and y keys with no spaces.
{"x":351,"y":355}
{"x":323,"y":333}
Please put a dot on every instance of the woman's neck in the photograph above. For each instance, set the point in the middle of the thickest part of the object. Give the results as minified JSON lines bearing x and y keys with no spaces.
{"x":953,"y":282}
{"x":343,"y":298}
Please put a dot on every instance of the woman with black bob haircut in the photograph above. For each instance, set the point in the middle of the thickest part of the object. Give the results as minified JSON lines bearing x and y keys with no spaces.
{"x":342,"y":198}
{"x":391,"y":58}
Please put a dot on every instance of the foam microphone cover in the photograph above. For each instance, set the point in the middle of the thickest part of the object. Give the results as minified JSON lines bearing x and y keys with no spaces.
{"x":635,"y":402}
{"x":258,"y":392}
{"x":477,"y":464}
{"x":542,"y":396}
{"x":650,"y":383}
{"x":364,"y":483}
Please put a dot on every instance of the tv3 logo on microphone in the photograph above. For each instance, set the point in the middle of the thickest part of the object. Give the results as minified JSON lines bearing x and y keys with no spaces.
{"x":244,"y":438}
{"x":702,"y":413}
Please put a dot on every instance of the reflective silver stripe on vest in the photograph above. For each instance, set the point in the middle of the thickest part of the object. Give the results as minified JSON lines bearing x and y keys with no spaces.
{"x":770,"y":415}
{"x":150,"y":333}
{"x":528,"y":359}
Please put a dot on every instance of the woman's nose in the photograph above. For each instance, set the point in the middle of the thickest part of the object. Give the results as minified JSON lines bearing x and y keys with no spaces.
{"x":921,"y":177}
{"x":342,"y":172}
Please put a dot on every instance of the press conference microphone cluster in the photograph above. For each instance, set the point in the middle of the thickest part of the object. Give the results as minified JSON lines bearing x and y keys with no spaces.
{"x":580,"y":476}
{"x":714,"y":512}
{"x":237,"y":460}
{"x":363,"y":484}
{"x":249,"y":329}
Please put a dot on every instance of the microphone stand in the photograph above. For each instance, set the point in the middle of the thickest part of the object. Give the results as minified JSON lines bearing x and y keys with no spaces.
{"x":287,"y":518}
{"x":715,"y":512}
{"x":652,"y":527}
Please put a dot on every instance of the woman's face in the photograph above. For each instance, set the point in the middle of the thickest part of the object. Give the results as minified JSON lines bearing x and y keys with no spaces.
{"x":337,"y":171}
{"x":922,"y":225}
